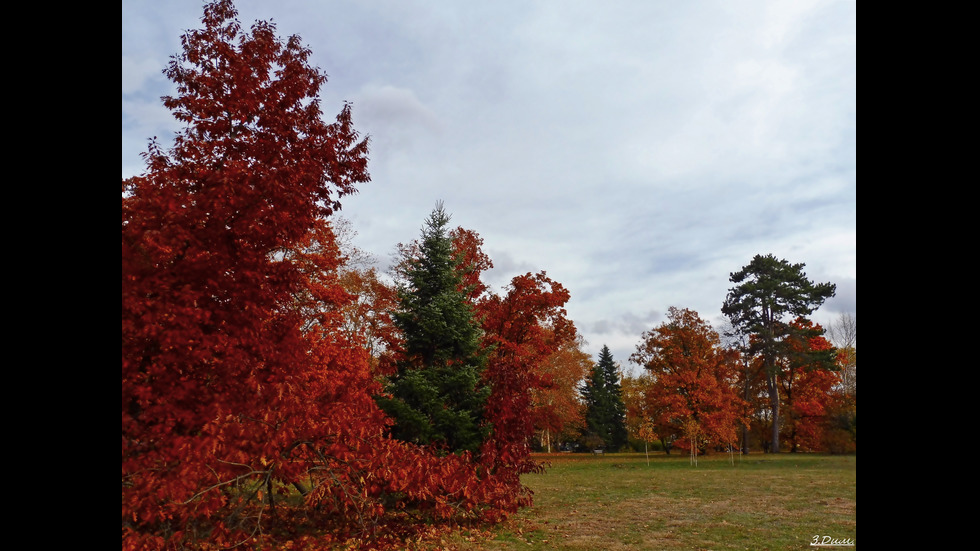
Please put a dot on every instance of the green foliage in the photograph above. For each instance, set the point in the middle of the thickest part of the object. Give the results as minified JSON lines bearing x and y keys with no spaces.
{"x":435,"y":396}
{"x":605,"y":414}
{"x":769,"y":294}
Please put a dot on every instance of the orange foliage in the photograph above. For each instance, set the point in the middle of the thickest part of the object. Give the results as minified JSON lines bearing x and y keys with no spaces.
{"x":691,"y":381}
{"x":368,"y":318}
{"x":557,"y":406}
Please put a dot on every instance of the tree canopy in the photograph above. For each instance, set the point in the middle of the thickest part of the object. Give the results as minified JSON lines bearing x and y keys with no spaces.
{"x":691,"y":381}
{"x":225,"y":251}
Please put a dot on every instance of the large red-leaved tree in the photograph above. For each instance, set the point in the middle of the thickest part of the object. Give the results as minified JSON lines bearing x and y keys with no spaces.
{"x":523,"y":328}
{"x":807,"y":388}
{"x":229,"y":393}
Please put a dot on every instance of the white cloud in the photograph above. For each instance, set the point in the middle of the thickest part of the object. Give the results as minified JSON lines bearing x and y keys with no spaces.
{"x":137,"y":71}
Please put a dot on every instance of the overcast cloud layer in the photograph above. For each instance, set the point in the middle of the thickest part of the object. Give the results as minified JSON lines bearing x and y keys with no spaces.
{"x":638,"y":151}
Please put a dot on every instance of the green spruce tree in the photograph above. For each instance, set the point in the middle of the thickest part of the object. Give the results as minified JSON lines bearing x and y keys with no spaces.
{"x":435,"y":396}
{"x":605,"y":414}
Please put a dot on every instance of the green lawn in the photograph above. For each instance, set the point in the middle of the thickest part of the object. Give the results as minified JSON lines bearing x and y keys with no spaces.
{"x":617,"y":501}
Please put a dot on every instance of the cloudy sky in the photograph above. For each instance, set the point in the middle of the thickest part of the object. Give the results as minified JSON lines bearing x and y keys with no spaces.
{"x":638,"y":151}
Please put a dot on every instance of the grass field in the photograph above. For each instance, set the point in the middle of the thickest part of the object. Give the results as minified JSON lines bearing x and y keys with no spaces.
{"x":617,"y":501}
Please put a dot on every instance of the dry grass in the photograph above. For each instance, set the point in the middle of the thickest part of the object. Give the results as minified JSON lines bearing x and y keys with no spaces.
{"x":618,"y":502}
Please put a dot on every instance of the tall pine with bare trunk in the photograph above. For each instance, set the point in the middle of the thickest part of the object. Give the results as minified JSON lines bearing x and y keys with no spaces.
{"x":769,"y":294}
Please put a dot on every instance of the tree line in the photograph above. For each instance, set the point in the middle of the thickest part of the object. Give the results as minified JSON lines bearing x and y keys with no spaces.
{"x":699,"y":390}
{"x":277,"y":392}
{"x":699,"y":394}
{"x":772,"y":377}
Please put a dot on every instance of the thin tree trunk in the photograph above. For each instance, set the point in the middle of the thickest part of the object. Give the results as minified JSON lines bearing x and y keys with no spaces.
{"x":774,"y":404}
{"x":744,"y":448}
{"x":272,"y":502}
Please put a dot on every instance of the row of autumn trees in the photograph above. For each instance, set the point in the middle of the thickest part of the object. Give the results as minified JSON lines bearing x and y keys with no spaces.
{"x":274,"y":390}
{"x":776,"y":379}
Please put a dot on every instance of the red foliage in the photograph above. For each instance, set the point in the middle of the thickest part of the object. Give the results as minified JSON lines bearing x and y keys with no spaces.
{"x":806,"y":390}
{"x":226,"y":391}
{"x":472,"y":261}
{"x":523,"y":328}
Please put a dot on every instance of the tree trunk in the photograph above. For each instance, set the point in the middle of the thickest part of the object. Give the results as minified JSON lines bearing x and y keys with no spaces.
{"x":268,"y":490}
{"x":745,"y":426}
{"x":774,"y":404}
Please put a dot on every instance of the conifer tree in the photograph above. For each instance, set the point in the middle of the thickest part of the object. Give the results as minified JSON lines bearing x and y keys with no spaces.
{"x":435,"y":396}
{"x":605,"y":415}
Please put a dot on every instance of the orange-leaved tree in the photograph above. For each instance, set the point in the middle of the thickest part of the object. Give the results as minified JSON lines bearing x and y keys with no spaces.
{"x":645,"y":419}
{"x":368,"y":318}
{"x":693,"y":383}
{"x":558,"y":410}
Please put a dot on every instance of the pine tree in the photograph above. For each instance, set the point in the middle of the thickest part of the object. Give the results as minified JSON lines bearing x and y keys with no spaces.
{"x":605,"y":415}
{"x":769,"y":294}
{"x":435,"y":395}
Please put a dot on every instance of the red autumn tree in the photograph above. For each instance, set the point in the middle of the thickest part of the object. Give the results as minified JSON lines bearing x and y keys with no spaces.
{"x":751,"y":382}
{"x":522,"y":329}
{"x":807,"y":387}
{"x":692,"y":385}
{"x":229,"y":393}
{"x":468,"y":246}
